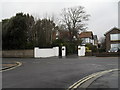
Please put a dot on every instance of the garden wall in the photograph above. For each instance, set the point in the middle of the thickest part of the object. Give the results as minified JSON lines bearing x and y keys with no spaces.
{"x":46,"y":52}
{"x":103,"y":54}
{"x":18,"y":53}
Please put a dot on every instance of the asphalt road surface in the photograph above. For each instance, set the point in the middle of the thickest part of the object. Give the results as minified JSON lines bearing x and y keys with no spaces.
{"x":54,"y":72}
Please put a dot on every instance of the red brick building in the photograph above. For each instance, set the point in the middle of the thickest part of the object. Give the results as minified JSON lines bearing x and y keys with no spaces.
{"x":60,"y":35}
{"x":86,"y":37}
{"x":112,"y":38}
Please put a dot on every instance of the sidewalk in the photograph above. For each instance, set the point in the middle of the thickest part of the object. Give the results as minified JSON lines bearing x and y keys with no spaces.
{"x":109,"y":80}
{"x":8,"y":65}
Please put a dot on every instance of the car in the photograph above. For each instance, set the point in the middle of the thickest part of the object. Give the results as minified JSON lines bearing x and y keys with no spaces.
{"x":114,"y":49}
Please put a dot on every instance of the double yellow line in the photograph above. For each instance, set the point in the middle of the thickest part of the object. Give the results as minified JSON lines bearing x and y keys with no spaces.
{"x":13,"y":67}
{"x":94,"y":75}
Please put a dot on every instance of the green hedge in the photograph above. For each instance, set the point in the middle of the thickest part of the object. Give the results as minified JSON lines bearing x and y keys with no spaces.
{"x":70,"y":46}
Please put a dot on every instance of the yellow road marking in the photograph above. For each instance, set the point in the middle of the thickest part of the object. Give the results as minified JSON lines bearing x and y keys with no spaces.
{"x":18,"y":64}
{"x":83,"y":80}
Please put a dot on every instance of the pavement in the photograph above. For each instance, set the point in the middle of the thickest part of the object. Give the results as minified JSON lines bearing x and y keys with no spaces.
{"x":109,"y":80}
{"x":7,"y":65}
{"x":59,"y":72}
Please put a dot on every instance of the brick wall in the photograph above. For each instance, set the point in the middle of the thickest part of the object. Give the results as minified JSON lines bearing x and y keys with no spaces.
{"x":103,"y":54}
{"x":18,"y":53}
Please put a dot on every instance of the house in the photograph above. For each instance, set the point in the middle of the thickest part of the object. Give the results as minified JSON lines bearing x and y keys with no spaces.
{"x":55,"y":35}
{"x":112,"y":38}
{"x":86,"y":37}
{"x":64,"y":34}
{"x":60,"y":35}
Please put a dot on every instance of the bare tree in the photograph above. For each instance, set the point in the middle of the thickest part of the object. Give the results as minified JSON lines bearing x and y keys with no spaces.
{"x":102,"y":39}
{"x":74,"y":19}
{"x":102,"y":43}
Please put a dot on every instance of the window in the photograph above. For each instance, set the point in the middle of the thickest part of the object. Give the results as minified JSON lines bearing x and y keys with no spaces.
{"x":115,"y":45}
{"x":57,"y":33}
{"x":85,"y":40}
{"x":114,"y":36}
{"x":56,"y":37}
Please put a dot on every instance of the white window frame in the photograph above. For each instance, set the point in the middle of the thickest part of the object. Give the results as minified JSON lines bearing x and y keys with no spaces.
{"x":114,"y":37}
{"x":115,"y":45}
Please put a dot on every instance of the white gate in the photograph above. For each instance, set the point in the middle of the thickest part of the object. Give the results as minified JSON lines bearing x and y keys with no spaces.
{"x":81,"y":50}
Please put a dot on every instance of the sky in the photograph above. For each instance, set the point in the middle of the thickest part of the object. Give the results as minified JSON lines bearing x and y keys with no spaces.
{"x":103,"y":13}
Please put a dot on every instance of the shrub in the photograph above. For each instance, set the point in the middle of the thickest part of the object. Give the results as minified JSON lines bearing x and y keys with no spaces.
{"x":70,"y":46}
{"x":91,"y":47}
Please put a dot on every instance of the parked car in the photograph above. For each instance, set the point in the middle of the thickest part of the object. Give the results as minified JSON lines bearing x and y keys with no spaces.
{"x":115,"y":49}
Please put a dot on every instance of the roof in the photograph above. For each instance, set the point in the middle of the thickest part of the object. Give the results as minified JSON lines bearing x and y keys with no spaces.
{"x":115,"y":28}
{"x":87,"y":34}
{"x":64,"y":32}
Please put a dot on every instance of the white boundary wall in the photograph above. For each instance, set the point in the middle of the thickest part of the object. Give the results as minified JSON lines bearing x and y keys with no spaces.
{"x":46,"y":52}
{"x":81,"y":50}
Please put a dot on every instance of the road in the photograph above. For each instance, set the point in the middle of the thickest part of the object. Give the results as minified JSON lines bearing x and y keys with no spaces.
{"x":54,"y":72}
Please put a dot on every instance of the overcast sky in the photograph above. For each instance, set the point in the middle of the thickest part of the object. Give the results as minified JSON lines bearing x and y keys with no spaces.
{"x":104,"y":13}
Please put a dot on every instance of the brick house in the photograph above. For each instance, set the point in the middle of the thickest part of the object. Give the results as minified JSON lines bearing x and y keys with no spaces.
{"x":60,"y":35}
{"x":112,"y":38}
{"x":55,"y":35}
{"x":86,"y":37}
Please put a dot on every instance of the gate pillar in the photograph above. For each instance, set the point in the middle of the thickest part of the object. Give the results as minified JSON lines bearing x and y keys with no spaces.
{"x":81,"y":50}
{"x":63,"y":51}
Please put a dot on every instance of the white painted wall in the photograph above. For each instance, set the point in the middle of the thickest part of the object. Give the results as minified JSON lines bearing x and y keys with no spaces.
{"x":63,"y":51}
{"x":93,"y":42}
{"x":46,"y":52}
{"x":81,"y":50}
